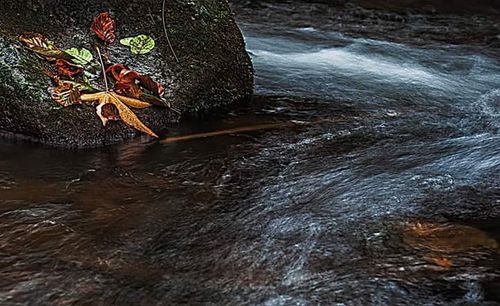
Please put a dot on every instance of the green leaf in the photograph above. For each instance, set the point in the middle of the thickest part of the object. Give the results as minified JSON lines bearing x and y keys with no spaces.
{"x":80,"y":56}
{"x":141,"y":44}
{"x":126,"y":41}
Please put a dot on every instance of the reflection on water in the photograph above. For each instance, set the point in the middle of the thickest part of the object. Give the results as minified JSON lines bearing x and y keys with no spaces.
{"x":361,"y":208}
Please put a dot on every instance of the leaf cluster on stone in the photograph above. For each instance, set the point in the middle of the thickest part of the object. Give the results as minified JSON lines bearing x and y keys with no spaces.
{"x":77,"y":76}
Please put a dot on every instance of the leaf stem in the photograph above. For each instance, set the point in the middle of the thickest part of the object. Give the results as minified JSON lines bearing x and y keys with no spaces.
{"x":103,"y":69}
{"x":165,"y":30}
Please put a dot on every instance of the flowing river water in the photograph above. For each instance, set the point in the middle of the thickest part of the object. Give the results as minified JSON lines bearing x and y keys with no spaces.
{"x":385,"y":189}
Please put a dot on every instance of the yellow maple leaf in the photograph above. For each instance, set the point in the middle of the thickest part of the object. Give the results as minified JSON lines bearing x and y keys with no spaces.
{"x":121,"y":103}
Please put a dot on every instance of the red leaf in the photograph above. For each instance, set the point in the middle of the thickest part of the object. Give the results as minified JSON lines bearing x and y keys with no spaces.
{"x":122,"y":74}
{"x":68,"y":69}
{"x":126,"y":82}
{"x":128,"y":89}
{"x":53,"y":77}
{"x":115,"y":70}
{"x":151,"y":85}
{"x":104,"y":27}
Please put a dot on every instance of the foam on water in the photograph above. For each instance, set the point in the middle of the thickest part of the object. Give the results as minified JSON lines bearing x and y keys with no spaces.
{"x":355,"y":65}
{"x":365,"y":67}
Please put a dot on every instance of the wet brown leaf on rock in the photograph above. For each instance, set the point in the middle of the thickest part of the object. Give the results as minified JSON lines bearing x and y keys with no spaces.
{"x":104,"y":27}
{"x":131,"y":90}
{"x":55,"y":78}
{"x":68,"y":69}
{"x":151,"y":85}
{"x":111,"y":112}
{"x":36,"y":40}
{"x":65,"y":94}
{"x":122,"y":73}
{"x":43,"y":46}
{"x":107,"y":112}
{"x":127,"y":82}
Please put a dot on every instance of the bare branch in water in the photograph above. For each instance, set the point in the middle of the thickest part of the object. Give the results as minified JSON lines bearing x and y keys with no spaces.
{"x":267,"y":126}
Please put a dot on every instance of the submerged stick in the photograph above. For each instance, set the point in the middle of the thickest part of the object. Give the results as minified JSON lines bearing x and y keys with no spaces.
{"x":228,"y":131}
{"x":267,"y":126}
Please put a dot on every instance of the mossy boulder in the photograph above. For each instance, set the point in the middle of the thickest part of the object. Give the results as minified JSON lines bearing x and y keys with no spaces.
{"x":213,"y":68}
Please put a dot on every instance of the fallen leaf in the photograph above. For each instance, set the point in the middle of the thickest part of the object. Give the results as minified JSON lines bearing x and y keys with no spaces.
{"x":66,"y":94}
{"x":128,"y":89}
{"x":122,"y":74}
{"x":151,"y":85}
{"x":126,"y":41}
{"x":80,"y":56}
{"x":141,"y":44}
{"x":68,"y":69}
{"x":120,"y":102}
{"x":36,"y":40}
{"x":135,"y":103}
{"x":116,"y":69}
{"x":55,"y":78}
{"x":110,"y":112}
{"x":39,"y":44}
{"x":126,"y":80}
{"x":104,"y":27}
{"x":443,"y":262}
{"x":158,"y":102}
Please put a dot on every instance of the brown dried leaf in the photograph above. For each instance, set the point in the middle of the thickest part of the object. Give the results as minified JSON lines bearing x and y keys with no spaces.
{"x":104,"y":100}
{"x":65,"y":94}
{"x":110,"y":112}
{"x":125,"y":80}
{"x":151,"y":85}
{"x":42,"y":46}
{"x":36,"y":40}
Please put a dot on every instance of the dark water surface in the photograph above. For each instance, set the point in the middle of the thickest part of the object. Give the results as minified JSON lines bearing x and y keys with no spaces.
{"x":392,"y":197}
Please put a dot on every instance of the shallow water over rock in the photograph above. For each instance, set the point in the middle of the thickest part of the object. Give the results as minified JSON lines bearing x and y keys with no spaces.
{"x":390,"y":196}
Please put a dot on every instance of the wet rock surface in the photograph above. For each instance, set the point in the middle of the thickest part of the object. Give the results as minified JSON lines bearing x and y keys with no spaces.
{"x":213,"y":68}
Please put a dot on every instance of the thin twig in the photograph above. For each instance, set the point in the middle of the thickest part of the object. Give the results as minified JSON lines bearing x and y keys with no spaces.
{"x":229,"y":131}
{"x":165,"y":29}
{"x":103,"y":69}
{"x":243,"y":129}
